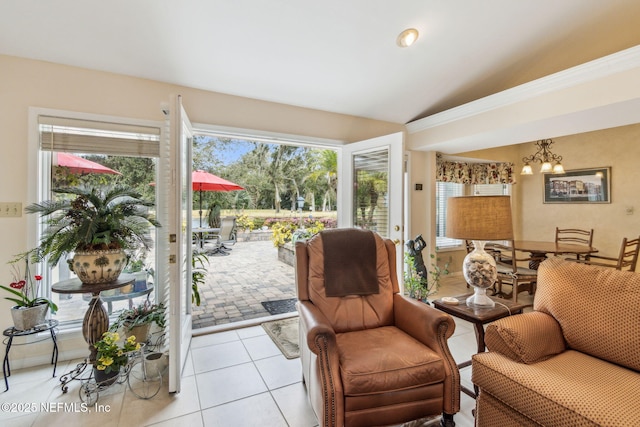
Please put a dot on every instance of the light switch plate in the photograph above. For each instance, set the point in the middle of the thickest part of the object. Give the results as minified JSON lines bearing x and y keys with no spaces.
{"x":10,"y":209}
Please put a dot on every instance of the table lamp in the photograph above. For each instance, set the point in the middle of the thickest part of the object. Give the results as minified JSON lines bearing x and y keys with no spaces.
{"x":479,"y":218}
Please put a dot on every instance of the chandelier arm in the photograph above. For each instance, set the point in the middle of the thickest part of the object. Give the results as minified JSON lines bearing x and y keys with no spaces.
{"x":543,"y":153}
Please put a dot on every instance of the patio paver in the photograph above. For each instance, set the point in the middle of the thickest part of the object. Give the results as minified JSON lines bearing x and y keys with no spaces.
{"x":237,"y":284}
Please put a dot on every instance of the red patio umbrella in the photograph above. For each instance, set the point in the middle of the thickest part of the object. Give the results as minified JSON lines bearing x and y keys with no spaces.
{"x":205,"y":181}
{"x":80,"y":166}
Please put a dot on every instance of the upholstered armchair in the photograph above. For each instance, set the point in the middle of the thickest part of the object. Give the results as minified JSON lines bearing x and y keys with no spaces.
{"x":370,"y":356}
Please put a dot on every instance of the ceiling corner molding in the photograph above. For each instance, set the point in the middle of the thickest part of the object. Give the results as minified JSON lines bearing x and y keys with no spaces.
{"x":593,"y":70}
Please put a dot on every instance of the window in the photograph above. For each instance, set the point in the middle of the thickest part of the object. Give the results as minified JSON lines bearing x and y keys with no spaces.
{"x":370,"y":204}
{"x":444,"y":190}
{"x":491,"y":189}
{"x":121,"y":154}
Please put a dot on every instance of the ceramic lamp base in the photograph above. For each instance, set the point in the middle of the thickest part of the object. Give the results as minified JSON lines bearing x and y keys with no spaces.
{"x":480,"y":272}
{"x":480,"y":299}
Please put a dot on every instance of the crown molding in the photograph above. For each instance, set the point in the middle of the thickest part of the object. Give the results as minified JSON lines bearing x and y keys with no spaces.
{"x":618,"y":62}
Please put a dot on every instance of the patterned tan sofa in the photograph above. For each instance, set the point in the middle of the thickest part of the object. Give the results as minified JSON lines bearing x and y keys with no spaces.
{"x":573,"y":361}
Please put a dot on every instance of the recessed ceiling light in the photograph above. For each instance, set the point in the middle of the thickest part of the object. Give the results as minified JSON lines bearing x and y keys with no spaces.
{"x":407,"y":37}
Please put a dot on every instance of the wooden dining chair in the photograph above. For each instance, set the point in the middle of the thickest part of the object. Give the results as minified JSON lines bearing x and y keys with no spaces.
{"x":512,"y":272}
{"x":575,"y":236}
{"x":626,"y":260}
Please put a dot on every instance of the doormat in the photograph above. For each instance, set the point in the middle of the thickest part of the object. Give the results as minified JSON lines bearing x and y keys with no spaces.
{"x":284,"y":334}
{"x":280,"y":306}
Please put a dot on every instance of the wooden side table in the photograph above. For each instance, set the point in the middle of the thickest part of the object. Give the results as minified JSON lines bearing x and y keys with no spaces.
{"x":96,"y":319}
{"x":12,"y":332}
{"x":479,"y":317}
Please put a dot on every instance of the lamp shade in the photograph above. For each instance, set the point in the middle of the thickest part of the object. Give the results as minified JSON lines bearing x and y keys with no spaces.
{"x":479,"y":218}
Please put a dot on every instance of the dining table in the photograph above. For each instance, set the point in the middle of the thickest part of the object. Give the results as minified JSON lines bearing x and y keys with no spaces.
{"x":539,"y":250}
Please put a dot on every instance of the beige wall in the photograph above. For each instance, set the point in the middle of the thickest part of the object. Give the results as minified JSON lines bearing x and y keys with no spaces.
{"x":535,"y":220}
{"x":25,"y":83}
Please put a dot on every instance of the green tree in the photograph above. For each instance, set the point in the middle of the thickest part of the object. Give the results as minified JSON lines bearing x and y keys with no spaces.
{"x":370,"y":187}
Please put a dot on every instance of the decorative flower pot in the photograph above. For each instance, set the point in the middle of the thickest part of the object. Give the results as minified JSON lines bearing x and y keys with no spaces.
{"x":156,"y":362}
{"x":25,"y":318}
{"x":94,"y":267}
{"x":141,"y":332}
{"x":105,"y":379}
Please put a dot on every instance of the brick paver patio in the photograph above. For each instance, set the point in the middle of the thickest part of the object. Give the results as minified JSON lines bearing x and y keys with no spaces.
{"x":237,"y":284}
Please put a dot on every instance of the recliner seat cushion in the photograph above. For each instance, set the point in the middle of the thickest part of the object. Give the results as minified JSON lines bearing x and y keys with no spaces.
{"x":404,"y":364}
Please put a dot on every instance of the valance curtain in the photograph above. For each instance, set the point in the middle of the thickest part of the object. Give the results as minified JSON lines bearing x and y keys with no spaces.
{"x":474,"y":173}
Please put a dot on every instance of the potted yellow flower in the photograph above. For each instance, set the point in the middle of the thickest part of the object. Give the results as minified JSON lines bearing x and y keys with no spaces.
{"x":111,"y":356}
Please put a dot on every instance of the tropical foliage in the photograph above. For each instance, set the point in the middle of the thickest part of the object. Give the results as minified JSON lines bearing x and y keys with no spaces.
{"x":199,"y":263}
{"x":94,"y":218}
{"x":289,"y":230}
{"x":420,"y":287}
{"x":141,"y":314}
{"x":273,"y":175}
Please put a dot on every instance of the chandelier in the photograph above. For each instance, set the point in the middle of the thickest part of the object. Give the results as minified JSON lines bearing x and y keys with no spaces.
{"x":544,"y":156}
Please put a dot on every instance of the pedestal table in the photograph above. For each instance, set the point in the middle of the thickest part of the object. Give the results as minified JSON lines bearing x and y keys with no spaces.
{"x":96,"y":319}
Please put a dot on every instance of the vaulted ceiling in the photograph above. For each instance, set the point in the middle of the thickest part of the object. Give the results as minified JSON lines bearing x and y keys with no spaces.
{"x":333,"y":55}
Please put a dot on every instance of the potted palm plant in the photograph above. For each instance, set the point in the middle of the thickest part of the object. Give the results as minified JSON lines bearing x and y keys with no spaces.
{"x":98,"y":225}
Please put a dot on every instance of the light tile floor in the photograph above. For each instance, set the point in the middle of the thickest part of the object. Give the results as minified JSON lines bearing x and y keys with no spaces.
{"x":233,"y":378}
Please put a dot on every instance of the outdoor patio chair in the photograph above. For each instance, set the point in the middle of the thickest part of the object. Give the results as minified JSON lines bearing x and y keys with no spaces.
{"x":227,"y":234}
{"x":370,"y":355}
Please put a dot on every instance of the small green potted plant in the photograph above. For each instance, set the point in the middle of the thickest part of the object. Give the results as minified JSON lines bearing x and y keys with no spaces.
{"x":111,"y":356}
{"x":97,"y":224}
{"x":421,"y":282}
{"x":137,"y":320}
{"x":198,"y":275}
{"x":31,"y":308}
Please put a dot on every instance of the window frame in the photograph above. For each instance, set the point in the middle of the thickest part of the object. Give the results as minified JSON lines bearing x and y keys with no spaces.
{"x":39,"y":183}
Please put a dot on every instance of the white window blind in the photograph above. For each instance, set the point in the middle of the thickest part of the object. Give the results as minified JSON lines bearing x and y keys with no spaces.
{"x":491,"y":189}
{"x":371,"y":202}
{"x":86,"y":136}
{"x":444,"y":190}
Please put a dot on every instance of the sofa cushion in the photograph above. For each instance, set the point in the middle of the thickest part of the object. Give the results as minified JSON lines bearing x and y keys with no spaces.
{"x":406,"y":363}
{"x":596,"y":307}
{"x":570,"y":389}
{"x":526,"y":338}
{"x":352,"y":312}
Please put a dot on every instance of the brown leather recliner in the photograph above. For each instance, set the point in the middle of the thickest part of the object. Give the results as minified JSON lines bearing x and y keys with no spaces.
{"x":370,"y":356}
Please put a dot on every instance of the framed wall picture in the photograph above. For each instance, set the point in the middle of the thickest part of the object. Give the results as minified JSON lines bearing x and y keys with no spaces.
{"x":578,"y":186}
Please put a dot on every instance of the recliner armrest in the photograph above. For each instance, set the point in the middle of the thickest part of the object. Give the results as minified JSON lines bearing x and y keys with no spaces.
{"x":316,"y":325}
{"x":526,"y":338}
{"x":422,"y":321}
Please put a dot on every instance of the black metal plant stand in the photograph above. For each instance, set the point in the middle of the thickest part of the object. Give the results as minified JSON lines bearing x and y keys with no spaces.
{"x":12,"y":332}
